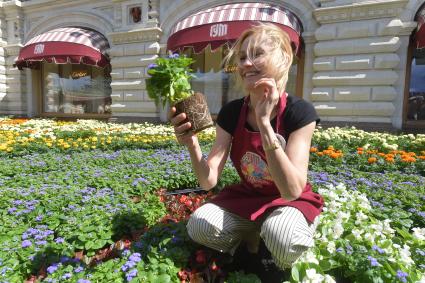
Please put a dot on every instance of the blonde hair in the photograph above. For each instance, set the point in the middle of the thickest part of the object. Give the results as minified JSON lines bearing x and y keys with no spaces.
{"x":278,"y":59}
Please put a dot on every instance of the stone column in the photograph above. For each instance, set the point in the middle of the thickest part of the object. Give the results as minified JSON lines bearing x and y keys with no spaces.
{"x":133,"y":48}
{"x":3,"y":43}
{"x":359,"y":61}
{"x":14,"y":101}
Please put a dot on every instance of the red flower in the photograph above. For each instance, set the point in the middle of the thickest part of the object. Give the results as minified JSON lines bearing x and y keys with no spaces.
{"x":200,"y":257}
{"x":214,"y":266}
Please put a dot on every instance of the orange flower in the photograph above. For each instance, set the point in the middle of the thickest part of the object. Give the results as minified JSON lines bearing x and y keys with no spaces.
{"x":371,"y":160}
{"x":335,"y":155}
{"x":331,"y":147}
{"x":381,"y":154}
{"x":421,"y":157}
{"x":360,"y":149}
{"x":389,"y":159}
{"x":313,"y":149}
{"x":320,"y":153}
{"x":359,"y":152}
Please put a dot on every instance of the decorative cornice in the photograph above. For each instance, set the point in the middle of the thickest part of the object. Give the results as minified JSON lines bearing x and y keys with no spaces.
{"x":13,"y":49}
{"x":141,"y":35}
{"x":360,"y":11}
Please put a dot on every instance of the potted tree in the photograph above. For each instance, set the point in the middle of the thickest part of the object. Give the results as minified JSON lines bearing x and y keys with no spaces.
{"x":169,"y":81}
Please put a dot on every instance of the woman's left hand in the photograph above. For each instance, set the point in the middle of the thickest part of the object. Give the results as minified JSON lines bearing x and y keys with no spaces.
{"x":268,"y":101}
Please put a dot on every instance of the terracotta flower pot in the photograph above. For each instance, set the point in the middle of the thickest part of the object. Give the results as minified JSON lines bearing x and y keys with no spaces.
{"x":197,"y":112}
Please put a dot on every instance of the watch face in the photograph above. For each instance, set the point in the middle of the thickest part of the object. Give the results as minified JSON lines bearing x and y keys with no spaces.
{"x":281,"y":140}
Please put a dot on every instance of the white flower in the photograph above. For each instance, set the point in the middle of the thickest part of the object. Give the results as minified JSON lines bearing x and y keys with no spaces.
{"x":310,"y":257}
{"x":360,"y":216}
{"x":331,"y":247}
{"x":405,"y":255}
{"x":357,"y":234}
{"x":370,"y":237}
{"x":312,"y":276}
{"x":338,"y":230}
{"x":419,"y":233}
{"x":329,"y":279}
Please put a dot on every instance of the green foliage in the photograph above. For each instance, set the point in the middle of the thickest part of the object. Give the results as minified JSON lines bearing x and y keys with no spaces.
{"x":241,"y":277}
{"x":169,"y":79}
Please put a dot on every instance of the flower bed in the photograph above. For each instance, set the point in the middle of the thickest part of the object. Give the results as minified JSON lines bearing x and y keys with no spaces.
{"x":88,"y":201}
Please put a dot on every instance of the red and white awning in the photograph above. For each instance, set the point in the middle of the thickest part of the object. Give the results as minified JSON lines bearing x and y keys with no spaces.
{"x":70,"y":45}
{"x":420,"y":32}
{"x":223,"y":24}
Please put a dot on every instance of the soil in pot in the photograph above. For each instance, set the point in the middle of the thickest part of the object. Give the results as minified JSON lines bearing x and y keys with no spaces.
{"x":197,"y":112}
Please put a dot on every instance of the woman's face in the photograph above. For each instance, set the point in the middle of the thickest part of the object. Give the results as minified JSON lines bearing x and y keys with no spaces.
{"x":252,"y":70}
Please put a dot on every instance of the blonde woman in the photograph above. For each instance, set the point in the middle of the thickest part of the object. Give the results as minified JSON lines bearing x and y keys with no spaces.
{"x":273,"y":200}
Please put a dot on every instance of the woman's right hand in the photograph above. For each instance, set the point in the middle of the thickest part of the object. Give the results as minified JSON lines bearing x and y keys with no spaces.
{"x":181,"y":127}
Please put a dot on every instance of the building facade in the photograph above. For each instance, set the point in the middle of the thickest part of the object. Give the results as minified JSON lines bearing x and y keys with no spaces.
{"x":357,"y":61}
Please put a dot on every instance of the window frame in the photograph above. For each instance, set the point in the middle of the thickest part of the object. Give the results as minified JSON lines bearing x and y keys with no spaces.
{"x":409,"y":125}
{"x":42,"y":98}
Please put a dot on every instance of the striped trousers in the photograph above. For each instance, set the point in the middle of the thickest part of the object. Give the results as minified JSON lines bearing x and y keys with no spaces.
{"x":285,"y":231}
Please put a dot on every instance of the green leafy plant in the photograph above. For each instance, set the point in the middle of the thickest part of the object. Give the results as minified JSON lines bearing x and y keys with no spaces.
{"x":170,"y":79}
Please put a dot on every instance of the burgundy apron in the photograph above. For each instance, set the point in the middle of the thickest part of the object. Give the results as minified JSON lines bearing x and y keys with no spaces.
{"x":257,"y":192}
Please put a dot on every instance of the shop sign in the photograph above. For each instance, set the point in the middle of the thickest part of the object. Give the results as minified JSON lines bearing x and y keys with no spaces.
{"x":218,"y":30}
{"x":230,"y":69}
{"x":39,"y":49}
{"x":78,"y":74}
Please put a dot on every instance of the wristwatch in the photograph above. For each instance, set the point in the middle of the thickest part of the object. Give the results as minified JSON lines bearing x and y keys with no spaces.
{"x":273,"y":146}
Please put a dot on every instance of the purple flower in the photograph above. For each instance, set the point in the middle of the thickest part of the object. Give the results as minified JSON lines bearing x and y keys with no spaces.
{"x":26,"y":243}
{"x":51,"y":269}
{"x":39,"y":218}
{"x":131,"y":274}
{"x":378,"y":249}
{"x":373,"y":261}
{"x":64,"y":259}
{"x":79,"y":269}
{"x":12,"y":210}
{"x":41,"y":243}
{"x":135,"y":257}
{"x":339,"y":250}
{"x":152,"y":66}
{"x":83,"y":281}
{"x":402,"y":276}
{"x":174,"y":56}
{"x":66,"y":276}
{"x":59,"y":240}
{"x":420,"y":252}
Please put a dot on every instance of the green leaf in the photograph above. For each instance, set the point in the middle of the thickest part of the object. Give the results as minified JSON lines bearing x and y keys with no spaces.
{"x":295,"y":273}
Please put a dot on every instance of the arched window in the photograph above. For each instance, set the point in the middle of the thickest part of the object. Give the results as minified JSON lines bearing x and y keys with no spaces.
{"x":414,"y":102}
{"x":75,"y":72}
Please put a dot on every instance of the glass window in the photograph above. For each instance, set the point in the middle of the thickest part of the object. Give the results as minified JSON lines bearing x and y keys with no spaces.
{"x":416,"y":99}
{"x":76,"y":89}
{"x":218,"y":82}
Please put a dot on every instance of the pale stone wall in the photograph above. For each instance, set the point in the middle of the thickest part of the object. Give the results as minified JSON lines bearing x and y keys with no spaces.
{"x":360,"y":60}
{"x":12,"y":83}
{"x":134,"y":48}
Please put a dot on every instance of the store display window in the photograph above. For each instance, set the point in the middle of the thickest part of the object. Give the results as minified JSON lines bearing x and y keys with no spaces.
{"x":75,"y":89}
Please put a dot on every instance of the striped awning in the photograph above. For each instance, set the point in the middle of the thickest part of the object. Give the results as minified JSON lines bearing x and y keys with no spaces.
{"x":223,"y":24}
{"x":71,"y":45}
{"x":420,"y":32}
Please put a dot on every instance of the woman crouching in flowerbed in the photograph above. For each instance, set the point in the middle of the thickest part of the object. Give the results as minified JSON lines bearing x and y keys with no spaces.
{"x":273,"y":200}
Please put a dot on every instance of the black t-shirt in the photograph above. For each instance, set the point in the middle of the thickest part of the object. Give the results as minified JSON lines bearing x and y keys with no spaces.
{"x":297,"y":114}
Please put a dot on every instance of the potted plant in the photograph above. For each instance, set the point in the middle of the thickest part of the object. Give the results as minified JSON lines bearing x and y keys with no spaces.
{"x":169,"y":81}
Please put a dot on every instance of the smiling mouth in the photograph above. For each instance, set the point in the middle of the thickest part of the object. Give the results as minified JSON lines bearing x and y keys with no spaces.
{"x":251,"y":74}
